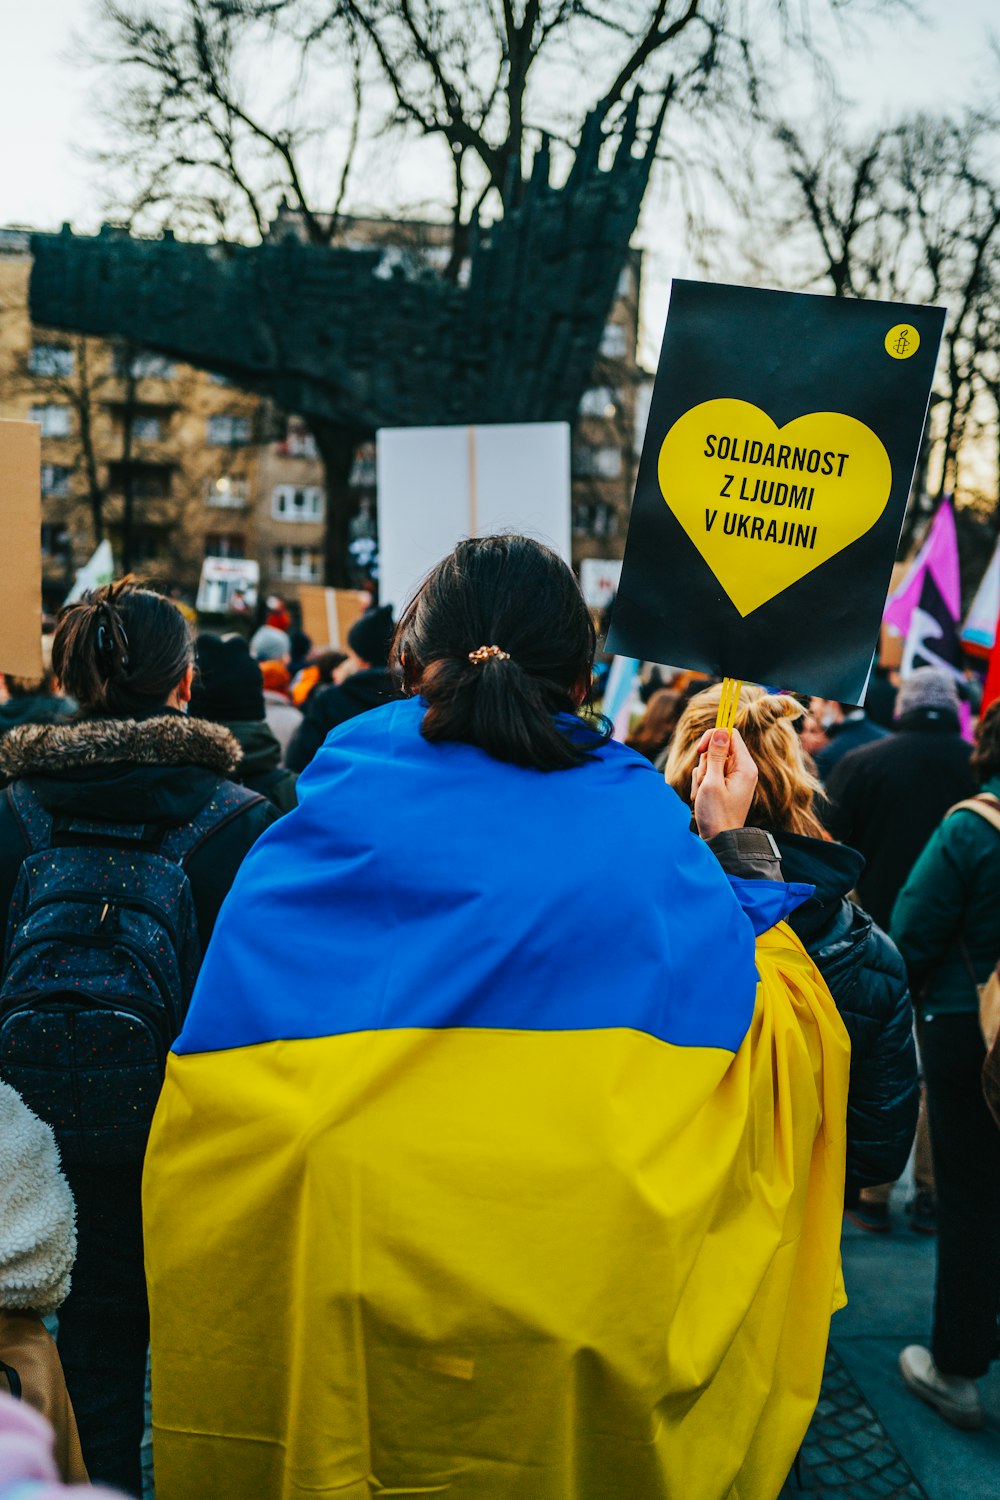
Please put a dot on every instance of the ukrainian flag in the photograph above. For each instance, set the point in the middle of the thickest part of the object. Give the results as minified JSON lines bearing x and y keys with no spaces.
{"x":486,"y":1167}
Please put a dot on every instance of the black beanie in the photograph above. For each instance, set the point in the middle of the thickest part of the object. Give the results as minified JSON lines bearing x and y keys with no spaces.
{"x":371,"y":636}
{"x":228,"y":686}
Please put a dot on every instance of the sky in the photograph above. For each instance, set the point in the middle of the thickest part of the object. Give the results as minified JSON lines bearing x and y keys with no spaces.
{"x":47,"y":113}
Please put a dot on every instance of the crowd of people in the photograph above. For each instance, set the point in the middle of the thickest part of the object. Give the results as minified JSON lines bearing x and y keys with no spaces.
{"x":433,"y":1155}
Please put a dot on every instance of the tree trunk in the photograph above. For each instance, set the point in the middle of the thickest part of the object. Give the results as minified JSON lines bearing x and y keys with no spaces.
{"x":336,"y":446}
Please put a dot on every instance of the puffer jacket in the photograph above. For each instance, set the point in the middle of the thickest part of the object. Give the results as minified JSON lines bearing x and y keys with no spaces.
{"x":867,"y":979}
{"x":953,"y":892}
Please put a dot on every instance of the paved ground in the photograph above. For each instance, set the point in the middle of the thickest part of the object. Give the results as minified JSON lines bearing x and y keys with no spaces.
{"x":870,"y":1436}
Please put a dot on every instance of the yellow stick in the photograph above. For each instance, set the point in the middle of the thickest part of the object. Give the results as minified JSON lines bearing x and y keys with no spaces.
{"x":729,"y":703}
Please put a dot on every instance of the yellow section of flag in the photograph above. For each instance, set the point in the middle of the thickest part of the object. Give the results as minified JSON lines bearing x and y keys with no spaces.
{"x":499,"y":1265}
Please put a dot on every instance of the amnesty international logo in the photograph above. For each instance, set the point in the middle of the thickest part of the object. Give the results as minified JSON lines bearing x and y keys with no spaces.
{"x":902,"y":341}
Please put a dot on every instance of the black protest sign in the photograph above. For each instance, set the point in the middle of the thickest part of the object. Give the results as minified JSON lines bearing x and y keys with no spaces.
{"x":782,"y":438}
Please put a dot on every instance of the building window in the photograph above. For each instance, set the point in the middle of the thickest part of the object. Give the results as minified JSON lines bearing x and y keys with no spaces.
{"x":143,"y":365}
{"x":51,"y":359}
{"x":290,"y":503}
{"x":148,"y":481}
{"x":599,"y":401}
{"x":55,"y":540}
{"x":614,"y":341}
{"x":597,"y":463}
{"x":55,"y":421}
{"x":55,"y":479}
{"x":147,"y":428}
{"x":225,"y":544}
{"x":228,"y":491}
{"x":299,"y":564}
{"x":225,"y":430}
{"x":599,"y":520}
{"x":299,"y":441}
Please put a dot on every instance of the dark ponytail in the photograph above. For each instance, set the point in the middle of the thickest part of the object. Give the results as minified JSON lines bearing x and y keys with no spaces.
{"x":120,"y":651}
{"x":512,"y":594}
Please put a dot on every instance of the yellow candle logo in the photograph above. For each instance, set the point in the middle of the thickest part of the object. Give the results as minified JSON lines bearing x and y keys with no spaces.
{"x":766,"y":505}
{"x":902,"y":341}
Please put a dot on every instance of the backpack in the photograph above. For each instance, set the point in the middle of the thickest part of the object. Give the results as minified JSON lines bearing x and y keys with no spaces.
{"x":101,"y":958}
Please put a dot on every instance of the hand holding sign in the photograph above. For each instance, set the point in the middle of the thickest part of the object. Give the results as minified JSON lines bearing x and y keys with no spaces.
{"x":723,"y":782}
{"x":782,"y":435}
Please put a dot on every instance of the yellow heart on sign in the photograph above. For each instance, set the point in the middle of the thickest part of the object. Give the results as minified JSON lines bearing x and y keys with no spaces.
{"x":766,"y":505}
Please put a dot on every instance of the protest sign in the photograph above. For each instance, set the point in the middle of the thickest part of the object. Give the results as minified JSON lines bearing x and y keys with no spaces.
{"x":437,"y":485}
{"x":21,"y":558}
{"x":328,"y":614}
{"x":228,"y":585}
{"x":599,"y":578}
{"x":782,"y":438}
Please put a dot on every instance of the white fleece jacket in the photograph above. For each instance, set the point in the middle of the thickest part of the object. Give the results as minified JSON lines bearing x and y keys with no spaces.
{"x":37,"y":1215}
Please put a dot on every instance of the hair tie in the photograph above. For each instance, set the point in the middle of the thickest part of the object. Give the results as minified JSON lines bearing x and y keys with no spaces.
{"x":112,"y":642}
{"x":483,"y":653}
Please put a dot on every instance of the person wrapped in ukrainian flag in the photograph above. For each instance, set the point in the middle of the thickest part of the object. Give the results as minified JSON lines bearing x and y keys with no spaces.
{"x":492,"y":1161}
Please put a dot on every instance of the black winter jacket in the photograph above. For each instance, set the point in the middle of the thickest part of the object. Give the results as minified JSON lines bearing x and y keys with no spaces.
{"x":867,"y":979}
{"x":329,"y":706}
{"x":161,"y":769}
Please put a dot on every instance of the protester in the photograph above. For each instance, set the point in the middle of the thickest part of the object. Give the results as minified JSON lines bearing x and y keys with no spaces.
{"x":229,"y":689}
{"x":37,"y":1248}
{"x":283,"y":718}
{"x":651,"y":735}
{"x":812,"y":736}
{"x":34,"y":700}
{"x":278,"y":617}
{"x":317,"y":673}
{"x":299,"y":647}
{"x":506,"y":1213}
{"x":846,"y":727}
{"x":866,"y":975}
{"x":947,"y":925}
{"x":121,"y":836}
{"x":887,"y":798}
{"x":363,"y":682}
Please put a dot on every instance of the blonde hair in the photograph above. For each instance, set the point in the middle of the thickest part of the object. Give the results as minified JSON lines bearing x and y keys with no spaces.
{"x":785,"y":787}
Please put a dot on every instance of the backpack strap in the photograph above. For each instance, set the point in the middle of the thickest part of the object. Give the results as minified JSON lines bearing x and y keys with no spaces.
{"x":226,"y":802}
{"x":13,"y":1380}
{"x":986,"y":805}
{"x":32,"y":819}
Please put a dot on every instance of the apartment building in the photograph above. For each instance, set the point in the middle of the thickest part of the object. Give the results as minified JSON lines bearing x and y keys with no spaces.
{"x":174,"y":465}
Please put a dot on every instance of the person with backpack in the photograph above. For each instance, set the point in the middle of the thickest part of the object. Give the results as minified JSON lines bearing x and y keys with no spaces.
{"x":120,"y":835}
{"x":946,"y":923}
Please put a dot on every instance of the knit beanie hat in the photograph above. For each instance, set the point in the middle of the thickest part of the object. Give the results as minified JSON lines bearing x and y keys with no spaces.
{"x":929,"y":689}
{"x":228,"y":686}
{"x":371,"y":636}
{"x":269,"y":644}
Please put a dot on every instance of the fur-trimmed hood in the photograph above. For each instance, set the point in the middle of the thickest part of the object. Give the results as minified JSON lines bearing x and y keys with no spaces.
{"x":169,"y":739}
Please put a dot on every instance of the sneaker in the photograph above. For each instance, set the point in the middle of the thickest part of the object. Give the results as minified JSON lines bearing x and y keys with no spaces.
{"x":921,"y":1212}
{"x":954,"y":1397}
{"x":871,"y":1216}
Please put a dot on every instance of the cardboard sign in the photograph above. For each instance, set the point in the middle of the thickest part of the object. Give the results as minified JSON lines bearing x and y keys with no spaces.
{"x":437,"y":485}
{"x":781,"y":444}
{"x":328,"y":614}
{"x":21,"y":556}
{"x":228,"y":585}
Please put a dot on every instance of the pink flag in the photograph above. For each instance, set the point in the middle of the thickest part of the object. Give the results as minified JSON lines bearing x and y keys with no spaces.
{"x":937,"y":556}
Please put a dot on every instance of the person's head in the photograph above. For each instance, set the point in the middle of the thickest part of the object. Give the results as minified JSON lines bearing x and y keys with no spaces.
{"x":929,"y":692}
{"x":783,"y":800}
{"x":986,"y":755}
{"x":653,"y":732}
{"x":497,"y":641}
{"x":812,"y":736}
{"x":369,"y":639}
{"x":123,"y":652}
{"x":270,"y":644}
{"x":228,"y":687}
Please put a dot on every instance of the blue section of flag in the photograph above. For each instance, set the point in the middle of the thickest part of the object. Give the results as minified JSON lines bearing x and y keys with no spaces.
{"x":429,"y":885}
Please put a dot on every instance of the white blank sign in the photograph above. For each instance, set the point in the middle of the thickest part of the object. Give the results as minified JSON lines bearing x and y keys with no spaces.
{"x":437,"y":485}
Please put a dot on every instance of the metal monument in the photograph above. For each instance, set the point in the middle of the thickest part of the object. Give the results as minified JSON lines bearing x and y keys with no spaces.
{"x":350,"y":343}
